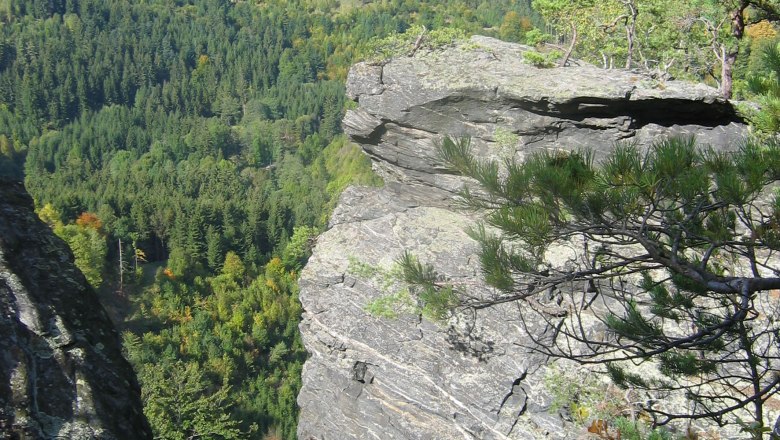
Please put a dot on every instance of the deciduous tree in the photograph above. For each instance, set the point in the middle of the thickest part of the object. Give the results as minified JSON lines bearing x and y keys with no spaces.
{"x":567,"y":17}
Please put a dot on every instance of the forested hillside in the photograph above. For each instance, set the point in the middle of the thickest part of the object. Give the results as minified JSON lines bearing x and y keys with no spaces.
{"x":189,"y":152}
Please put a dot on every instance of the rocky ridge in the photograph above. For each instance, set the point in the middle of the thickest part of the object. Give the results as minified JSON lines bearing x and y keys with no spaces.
{"x":62,"y":374}
{"x":370,"y":376}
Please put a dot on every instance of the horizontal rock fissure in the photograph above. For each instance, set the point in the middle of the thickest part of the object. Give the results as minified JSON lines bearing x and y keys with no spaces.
{"x":661,"y":112}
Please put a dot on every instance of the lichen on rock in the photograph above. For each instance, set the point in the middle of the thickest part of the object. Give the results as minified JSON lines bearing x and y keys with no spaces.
{"x":470,"y":378}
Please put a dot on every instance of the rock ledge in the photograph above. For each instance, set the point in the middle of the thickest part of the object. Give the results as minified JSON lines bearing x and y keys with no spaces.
{"x":408,"y":378}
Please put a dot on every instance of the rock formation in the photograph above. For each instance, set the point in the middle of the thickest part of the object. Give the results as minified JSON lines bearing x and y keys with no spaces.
{"x":62,"y":374}
{"x":406,"y":377}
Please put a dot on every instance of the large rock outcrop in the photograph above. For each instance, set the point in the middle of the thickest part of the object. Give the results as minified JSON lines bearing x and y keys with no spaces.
{"x":405,"y":377}
{"x":62,"y":374}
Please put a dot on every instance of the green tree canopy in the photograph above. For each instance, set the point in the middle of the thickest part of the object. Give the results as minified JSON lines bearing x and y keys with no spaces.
{"x":698,"y":38}
{"x":180,"y":406}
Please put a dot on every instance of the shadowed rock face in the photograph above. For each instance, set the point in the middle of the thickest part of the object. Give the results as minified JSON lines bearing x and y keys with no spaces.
{"x":62,"y":374}
{"x":409,"y":378}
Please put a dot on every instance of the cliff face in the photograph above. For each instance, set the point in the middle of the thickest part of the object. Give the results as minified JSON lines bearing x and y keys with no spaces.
{"x":405,"y":377}
{"x":62,"y":374}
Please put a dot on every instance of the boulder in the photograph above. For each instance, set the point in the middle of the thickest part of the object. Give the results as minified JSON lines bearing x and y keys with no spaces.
{"x":399,"y":375}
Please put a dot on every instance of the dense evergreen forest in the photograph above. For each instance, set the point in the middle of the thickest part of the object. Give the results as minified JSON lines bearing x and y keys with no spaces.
{"x":189,"y":151}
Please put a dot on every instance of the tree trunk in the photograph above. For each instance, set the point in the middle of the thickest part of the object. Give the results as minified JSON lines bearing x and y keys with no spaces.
{"x":121,"y":269}
{"x":755,"y":377}
{"x":567,"y":55}
{"x":727,"y":71}
{"x":729,"y":56}
{"x":631,"y":31}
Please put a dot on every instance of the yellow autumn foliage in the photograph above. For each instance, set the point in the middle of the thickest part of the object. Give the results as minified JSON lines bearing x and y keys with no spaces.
{"x":762,"y":30}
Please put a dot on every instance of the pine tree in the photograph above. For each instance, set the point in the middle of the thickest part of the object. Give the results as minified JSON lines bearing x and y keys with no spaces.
{"x":765,"y":84}
{"x":673,"y":255}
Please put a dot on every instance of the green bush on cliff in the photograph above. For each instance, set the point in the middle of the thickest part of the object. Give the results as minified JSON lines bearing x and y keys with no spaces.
{"x":411,"y":41}
{"x":539,"y":59}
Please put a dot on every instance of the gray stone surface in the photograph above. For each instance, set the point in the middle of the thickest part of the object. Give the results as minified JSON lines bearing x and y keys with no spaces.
{"x":485,"y":88}
{"x":62,"y":374}
{"x":407,"y":377}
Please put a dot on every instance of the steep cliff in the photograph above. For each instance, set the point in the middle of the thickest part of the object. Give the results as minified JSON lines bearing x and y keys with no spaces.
{"x":62,"y":374}
{"x":405,"y":377}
